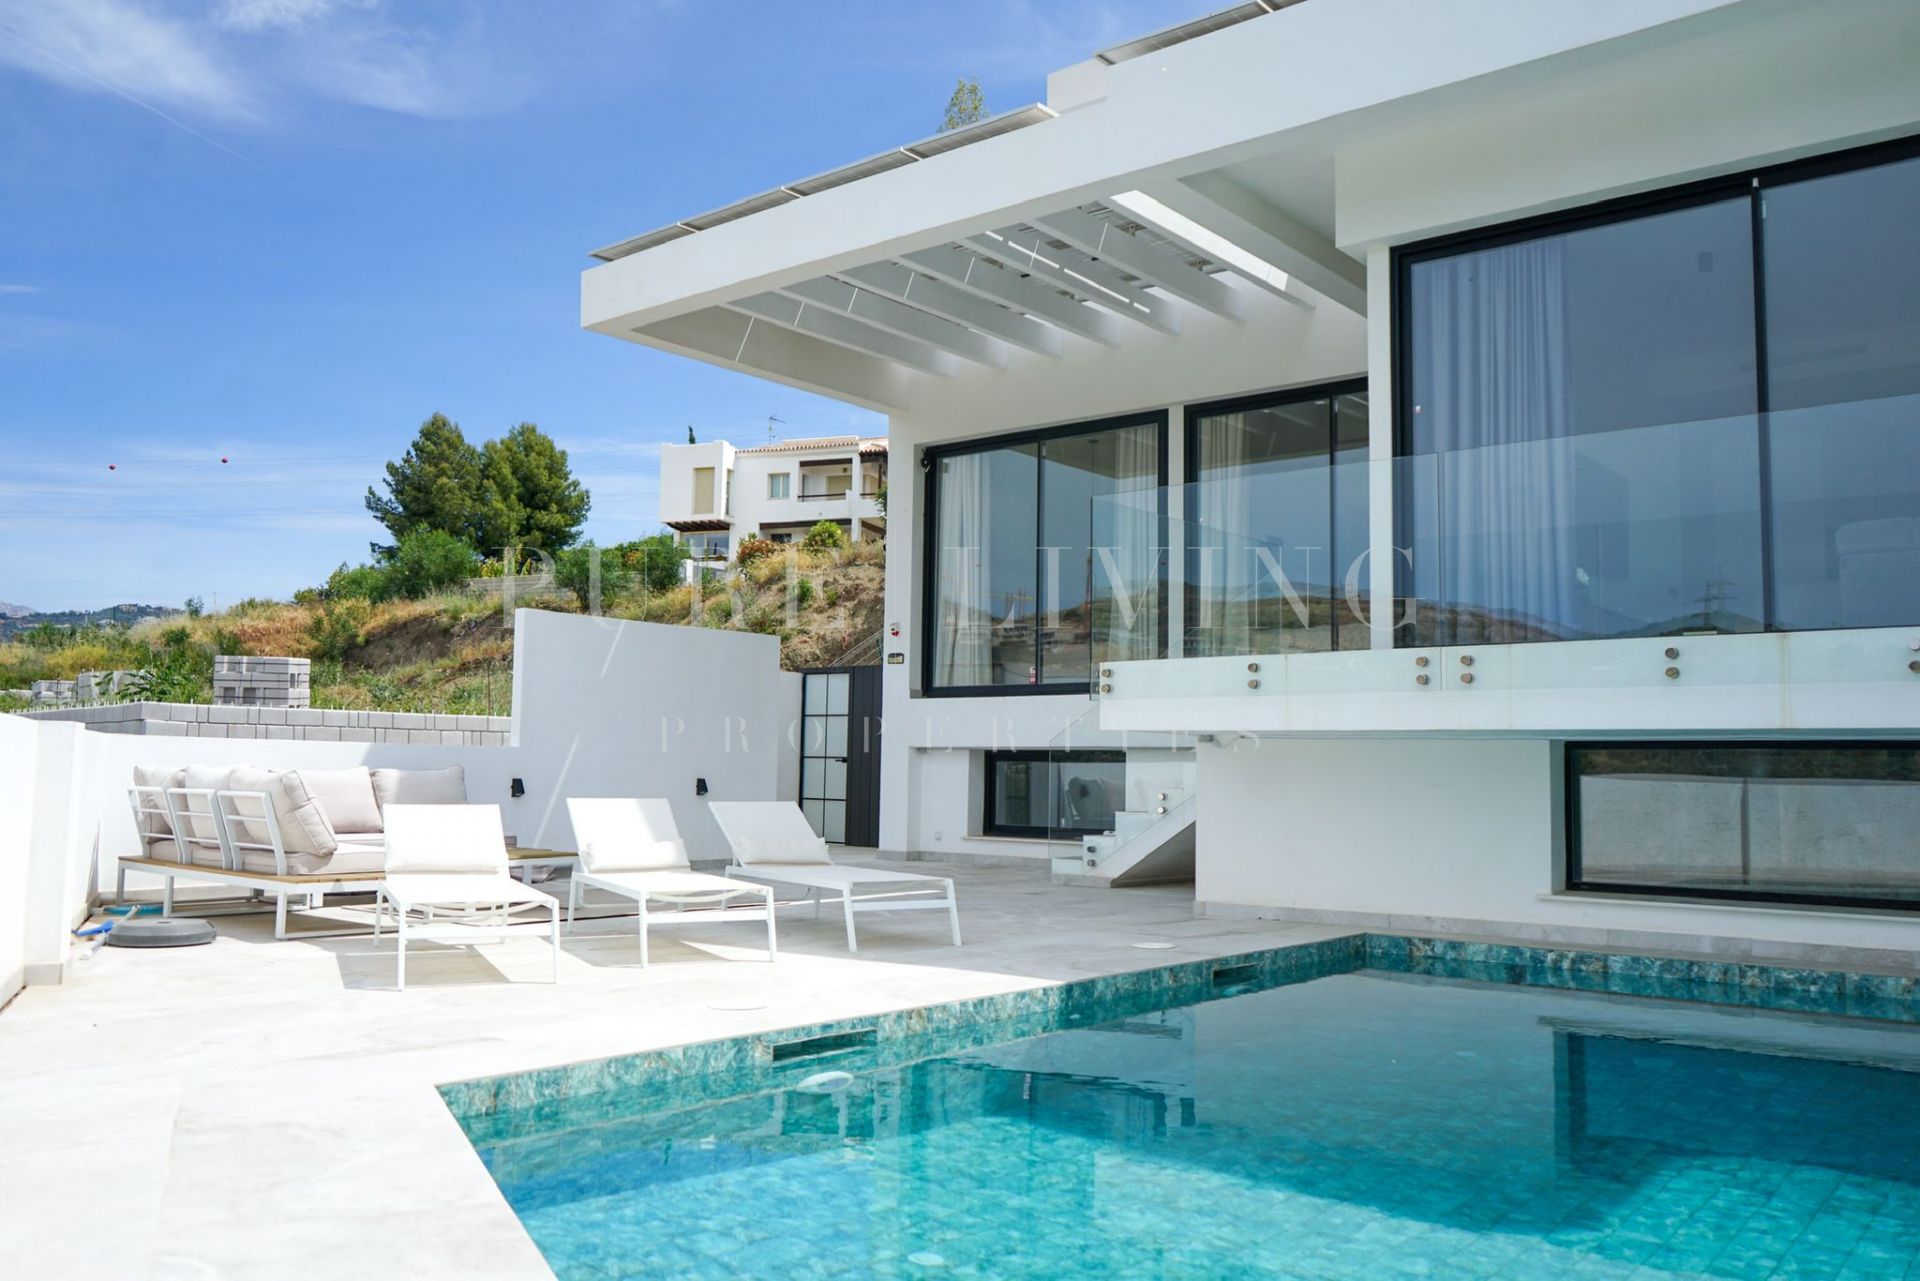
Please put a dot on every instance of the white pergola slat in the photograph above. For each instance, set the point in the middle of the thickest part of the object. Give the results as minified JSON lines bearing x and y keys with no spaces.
{"x":897,"y":318}
{"x":1204,"y":242}
{"x":844,"y":331}
{"x":904,"y":284}
{"x":1154,"y":264}
{"x":1236,"y":213}
{"x":1028,"y":250}
{"x":964,"y":270}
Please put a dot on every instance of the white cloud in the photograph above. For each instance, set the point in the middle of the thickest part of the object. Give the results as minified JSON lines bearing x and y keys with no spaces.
{"x":19,"y":289}
{"x":267,"y":15}
{"x":120,"y":47}
{"x":240,"y":59}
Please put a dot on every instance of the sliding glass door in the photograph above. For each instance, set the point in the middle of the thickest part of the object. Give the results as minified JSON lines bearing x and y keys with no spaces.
{"x":1015,"y":527}
{"x":1690,"y":413}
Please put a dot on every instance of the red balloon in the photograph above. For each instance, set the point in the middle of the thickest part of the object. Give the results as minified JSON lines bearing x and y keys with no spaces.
{"x":113,"y":467}
{"x":223,"y":460}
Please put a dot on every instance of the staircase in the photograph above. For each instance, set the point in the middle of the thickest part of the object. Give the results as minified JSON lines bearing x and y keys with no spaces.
{"x":1144,"y":847}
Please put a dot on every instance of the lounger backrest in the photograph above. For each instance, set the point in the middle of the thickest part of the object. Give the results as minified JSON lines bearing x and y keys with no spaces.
{"x":626,"y":834}
{"x":443,"y":839}
{"x":769,"y":832}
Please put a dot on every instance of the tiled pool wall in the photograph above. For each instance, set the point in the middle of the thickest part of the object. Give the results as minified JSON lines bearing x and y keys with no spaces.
{"x":502,"y":1107}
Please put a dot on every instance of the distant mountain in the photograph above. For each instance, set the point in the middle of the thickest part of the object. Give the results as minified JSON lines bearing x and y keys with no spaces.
{"x":16,"y":619}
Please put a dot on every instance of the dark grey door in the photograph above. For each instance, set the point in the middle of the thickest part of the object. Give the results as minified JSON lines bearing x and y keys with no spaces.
{"x":840,"y":753}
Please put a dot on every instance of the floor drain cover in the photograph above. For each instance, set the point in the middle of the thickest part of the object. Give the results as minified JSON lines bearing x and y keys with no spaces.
{"x":160,"y":931}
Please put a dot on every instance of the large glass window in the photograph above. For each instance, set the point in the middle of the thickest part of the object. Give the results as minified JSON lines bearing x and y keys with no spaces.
{"x":1843,"y":376}
{"x":1794,"y":822}
{"x":1276,"y":517}
{"x":1014,"y":541}
{"x":1032,"y":794}
{"x":1647,"y":422}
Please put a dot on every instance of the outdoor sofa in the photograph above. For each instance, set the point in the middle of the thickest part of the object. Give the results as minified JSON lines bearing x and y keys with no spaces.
{"x":280,"y":834}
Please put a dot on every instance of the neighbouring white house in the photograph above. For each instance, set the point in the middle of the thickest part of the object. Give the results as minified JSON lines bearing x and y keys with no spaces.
{"x":713,"y":494}
{"x":1453,"y":465}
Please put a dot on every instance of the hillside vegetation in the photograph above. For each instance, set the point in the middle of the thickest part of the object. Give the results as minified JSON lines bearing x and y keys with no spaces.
{"x":375,"y":647}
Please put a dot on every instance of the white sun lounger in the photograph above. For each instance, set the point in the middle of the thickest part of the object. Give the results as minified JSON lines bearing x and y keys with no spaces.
{"x":632,"y":848}
{"x":772,"y":844}
{"x":448,"y":863}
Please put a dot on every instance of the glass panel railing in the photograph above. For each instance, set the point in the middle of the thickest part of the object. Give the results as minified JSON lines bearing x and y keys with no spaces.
{"x":1844,"y":514}
{"x":1645,"y":531}
{"x":1269,"y":560}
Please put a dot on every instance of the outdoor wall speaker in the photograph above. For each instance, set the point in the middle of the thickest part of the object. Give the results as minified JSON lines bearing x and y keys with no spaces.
{"x":699,"y":787}
{"x":516,"y":788}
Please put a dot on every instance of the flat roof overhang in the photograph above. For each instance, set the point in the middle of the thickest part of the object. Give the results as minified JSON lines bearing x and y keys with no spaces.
{"x":1169,"y":192}
{"x":706,"y":525}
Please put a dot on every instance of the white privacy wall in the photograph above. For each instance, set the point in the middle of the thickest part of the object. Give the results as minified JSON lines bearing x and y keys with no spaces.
{"x":19,"y":746}
{"x":610,"y":708}
{"x":1443,"y":834}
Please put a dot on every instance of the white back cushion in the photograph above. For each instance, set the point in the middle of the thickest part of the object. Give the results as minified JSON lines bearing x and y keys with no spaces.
{"x":445,"y":838}
{"x":769,"y":832}
{"x":347,"y":797}
{"x":626,"y":833}
{"x":155,"y":824}
{"x":420,"y":786}
{"x":198,"y":816}
{"x":303,"y":824}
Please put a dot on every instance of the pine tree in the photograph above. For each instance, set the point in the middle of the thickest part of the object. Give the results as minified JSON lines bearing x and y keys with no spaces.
{"x":966,"y":106}
{"x":437,"y":484}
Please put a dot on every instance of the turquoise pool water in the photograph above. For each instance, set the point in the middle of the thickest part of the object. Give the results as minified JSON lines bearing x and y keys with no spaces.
{"x":1367,"y":1124}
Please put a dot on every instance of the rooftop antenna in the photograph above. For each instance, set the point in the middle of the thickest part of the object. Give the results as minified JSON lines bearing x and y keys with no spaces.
{"x":771,"y":420}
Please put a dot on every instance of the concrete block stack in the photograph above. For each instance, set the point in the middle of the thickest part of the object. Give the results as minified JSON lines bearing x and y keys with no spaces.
{"x":243,"y":681}
{"x":52,"y":694}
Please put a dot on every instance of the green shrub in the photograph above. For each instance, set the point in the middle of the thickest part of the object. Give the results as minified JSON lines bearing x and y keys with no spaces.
{"x":340,"y":627}
{"x":825,"y":536}
{"x":654,"y":561}
{"x":803,"y":592}
{"x":573,"y":571}
{"x":425,"y":561}
{"x":356,"y":582}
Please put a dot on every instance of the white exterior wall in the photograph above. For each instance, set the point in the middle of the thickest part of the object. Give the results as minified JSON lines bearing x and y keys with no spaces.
{"x":1462,"y":836}
{"x":677,"y":465}
{"x":19,"y":753}
{"x":930,"y":801}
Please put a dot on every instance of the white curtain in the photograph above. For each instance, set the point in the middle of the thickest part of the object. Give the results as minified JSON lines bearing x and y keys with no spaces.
{"x":962,"y":642}
{"x":1128,"y":523}
{"x":1223,"y":616}
{"x":1497,"y":415}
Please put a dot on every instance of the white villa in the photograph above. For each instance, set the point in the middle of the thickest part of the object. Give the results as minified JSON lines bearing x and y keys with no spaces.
{"x":1448,"y":465}
{"x":713,"y":494}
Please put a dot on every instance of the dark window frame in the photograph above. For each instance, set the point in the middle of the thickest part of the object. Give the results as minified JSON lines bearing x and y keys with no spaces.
{"x":1570,"y":785}
{"x":989,"y":824}
{"x":930,"y":524}
{"x":1327,"y":391}
{"x":1752,"y":182}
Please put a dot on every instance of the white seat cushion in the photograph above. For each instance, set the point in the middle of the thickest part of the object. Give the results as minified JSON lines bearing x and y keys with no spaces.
{"x":346,"y":796}
{"x":625,"y":834}
{"x":425,"y":839}
{"x":450,"y":889}
{"x":420,"y":786}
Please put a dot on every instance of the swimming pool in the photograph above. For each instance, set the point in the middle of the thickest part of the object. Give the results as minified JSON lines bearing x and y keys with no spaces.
{"x":1371,"y":1123}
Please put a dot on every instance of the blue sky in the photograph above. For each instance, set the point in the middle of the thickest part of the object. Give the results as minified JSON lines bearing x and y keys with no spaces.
{"x":283,"y":232}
